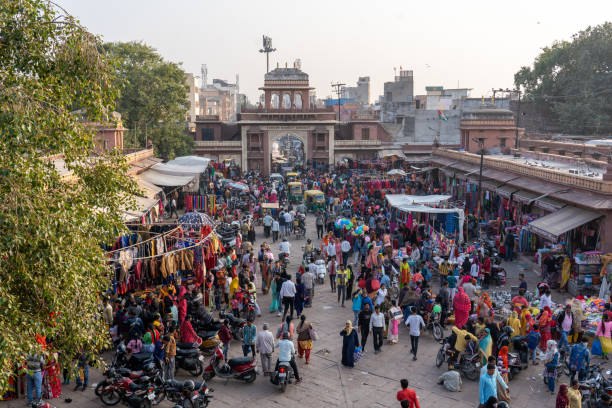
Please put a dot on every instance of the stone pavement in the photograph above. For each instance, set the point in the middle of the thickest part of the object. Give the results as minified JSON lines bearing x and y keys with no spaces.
{"x":372,"y":383}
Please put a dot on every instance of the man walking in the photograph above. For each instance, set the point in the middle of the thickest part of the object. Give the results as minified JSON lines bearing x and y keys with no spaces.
{"x":331,"y":271}
{"x":406,"y":394}
{"x":308,"y":281}
{"x":275,"y":230}
{"x":341,"y":282}
{"x":287,"y":294}
{"x":345,"y":247}
{"x":249,"y":332}
{"x":264,"y":345}
{"x":415,"y":322}
{"x":377,"y":325}
{"x":267,"y":223}
{"x":319,"y":225}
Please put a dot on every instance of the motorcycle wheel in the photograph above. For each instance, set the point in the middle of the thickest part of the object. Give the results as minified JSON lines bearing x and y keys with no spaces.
{"x":99,"y":387}
{"x":159,"y":397}
{"x":198,"y":370}
{"x":251,"y":378}
{"x":283,"y":386}
{"x":470,"y":371}
{"x":438,"y":334}
{"x":440,"y":358}
{"x":208,"y":375}
{"x":110,"y":397}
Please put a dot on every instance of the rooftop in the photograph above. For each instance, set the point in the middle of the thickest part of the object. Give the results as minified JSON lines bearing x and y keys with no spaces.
{"x":286,"y":74}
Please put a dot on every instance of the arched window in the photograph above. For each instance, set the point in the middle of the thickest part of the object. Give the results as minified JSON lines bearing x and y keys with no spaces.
{"x":286,"y":101}
{"x":297,"y":101}
{"x":275,"y":101}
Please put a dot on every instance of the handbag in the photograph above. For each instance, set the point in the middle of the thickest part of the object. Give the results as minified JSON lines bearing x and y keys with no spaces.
{"x":397,"y":315}
{"x":357,"y":354}
{"x":314,"y":336}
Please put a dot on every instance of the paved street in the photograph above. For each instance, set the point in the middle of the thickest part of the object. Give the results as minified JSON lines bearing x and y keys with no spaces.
{"x":372,"y":383}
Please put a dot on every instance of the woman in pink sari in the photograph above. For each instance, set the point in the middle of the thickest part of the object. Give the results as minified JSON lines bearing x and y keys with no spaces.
{"x":462,"y":306}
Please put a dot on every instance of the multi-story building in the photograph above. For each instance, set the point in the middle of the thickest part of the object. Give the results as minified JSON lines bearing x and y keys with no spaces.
{"x":489,"y":128}
{"x":360,"y":94}
{"x":193,"y":96}
{"x":221,"y":98}
{"x":287,"y":120}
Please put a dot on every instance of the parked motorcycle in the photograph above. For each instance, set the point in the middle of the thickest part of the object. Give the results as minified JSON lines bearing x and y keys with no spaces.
{"x":235,"y":324}
{"x":174,"y":390}
{"x":283,"y":375}
{"x":242,"y":368}
{"x":194,"y":395}
{"x":130,"y":393}
{"x":469,"y":363}
{"x":134,"y":362}
{"x":189,"y":359}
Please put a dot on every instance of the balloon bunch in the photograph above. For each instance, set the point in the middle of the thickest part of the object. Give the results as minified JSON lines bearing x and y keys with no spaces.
{"x":360,"y":230}
{"x":344,"y":223}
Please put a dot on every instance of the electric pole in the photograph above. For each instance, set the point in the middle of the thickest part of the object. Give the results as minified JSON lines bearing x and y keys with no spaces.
{"x":338,"y":91}
{"x":267,"y":49}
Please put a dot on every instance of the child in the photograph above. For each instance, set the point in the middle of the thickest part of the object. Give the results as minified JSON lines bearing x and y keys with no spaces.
{"x":533,"y":339}
{"x":235,"y":306}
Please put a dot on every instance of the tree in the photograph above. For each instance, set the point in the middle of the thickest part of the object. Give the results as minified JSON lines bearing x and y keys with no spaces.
{"x":53,"y":75}
{"x":571,"y":81}
{"x":153,"y":97}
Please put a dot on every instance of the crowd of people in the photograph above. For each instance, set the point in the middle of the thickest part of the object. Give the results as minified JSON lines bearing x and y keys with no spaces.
{"x":382,"y":266}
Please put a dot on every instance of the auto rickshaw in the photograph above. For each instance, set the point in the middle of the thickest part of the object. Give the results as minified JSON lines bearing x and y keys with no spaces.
{"x":295,"y":192}
{"x":292,"y":177}
{"x":315,"y":200}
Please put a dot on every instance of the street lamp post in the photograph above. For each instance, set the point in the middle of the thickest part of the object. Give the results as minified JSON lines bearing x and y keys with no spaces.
{"x":481,"y":145}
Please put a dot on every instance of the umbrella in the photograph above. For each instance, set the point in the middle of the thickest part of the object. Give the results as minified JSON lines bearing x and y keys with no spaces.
{"x":192,"y":220}
{"x":238,"y":186}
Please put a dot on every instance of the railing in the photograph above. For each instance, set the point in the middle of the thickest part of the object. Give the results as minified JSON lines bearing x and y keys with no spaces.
{"x":218,"y":143}
{"x":541,"y":173}
{"x":207,"y":117}
{"x":373,"y":142}
{"x":329,"y":109}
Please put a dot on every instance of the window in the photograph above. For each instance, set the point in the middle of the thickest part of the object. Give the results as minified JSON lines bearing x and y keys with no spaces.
{"x":297,"y":101}
{"x":365,"y":134}
{"x":320,"y":138}
{"x":208,"y":134}
{"x":502,"y":142}
{"x":389,"y":97}
{"x":286,"y":101}
{"x":275,"y":101}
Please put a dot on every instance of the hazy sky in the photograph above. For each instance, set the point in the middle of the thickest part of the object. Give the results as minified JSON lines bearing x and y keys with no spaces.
{"x":471,"y":43}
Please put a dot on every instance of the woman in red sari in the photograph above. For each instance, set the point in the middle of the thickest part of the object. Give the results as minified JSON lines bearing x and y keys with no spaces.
{"x":52,"y":385}
{"x":462,"y":306}
{"x":544,"y":323}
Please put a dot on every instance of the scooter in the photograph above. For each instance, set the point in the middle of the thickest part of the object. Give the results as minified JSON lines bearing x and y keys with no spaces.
{"x":283,"y":375}
{"x":241,"y":368}
{"x":189,"y":359}
{"x":321,"y":269}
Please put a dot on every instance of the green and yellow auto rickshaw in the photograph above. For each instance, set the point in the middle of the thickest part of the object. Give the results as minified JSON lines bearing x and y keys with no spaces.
{"x":292,"y":177}
{"x":314,"y":200}
{"x":295,"y":192}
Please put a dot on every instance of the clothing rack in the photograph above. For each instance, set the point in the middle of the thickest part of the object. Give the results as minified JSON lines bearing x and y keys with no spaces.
{"x":146,"y":240}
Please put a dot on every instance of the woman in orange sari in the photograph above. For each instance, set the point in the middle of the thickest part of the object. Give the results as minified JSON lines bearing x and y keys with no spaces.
{"x":502,"y":366}
{"x":544,"y":322}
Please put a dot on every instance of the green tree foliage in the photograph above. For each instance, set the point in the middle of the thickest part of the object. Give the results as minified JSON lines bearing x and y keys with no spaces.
{"x":572,"y":81}
{"x":153,"y":98}
{"x":52,"y":267}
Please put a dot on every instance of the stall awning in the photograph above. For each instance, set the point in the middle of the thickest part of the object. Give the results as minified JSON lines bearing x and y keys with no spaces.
{"x":149,"y":190}
{"x":505,"y":191}
{"x":553,"y":225}
{"x":525,"y":197}
{"x":490,"y":185}
{"x":549,"y":204}
{"x":161,"y":179}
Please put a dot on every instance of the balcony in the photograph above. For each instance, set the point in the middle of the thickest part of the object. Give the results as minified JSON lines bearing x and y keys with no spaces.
{"x":351,"y":143}
{"x":218,"y":144}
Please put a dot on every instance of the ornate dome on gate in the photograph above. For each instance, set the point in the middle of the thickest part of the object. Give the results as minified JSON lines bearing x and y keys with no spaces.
{"x":286,"y":74}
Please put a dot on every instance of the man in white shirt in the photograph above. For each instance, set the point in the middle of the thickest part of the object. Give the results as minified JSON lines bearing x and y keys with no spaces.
{"x":288,"y":223}
{"x":284,"y":247}
{"x":286,"y":352}
{"x":308,"y":280}
{"x":330,"y":249}
{"x":377,"y":325}
{"x":264,"y":344}
{"x":415,"y":255}
{"x":287,"y":294}
{"x":345,"y":246}
{"x":415,"y":322}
